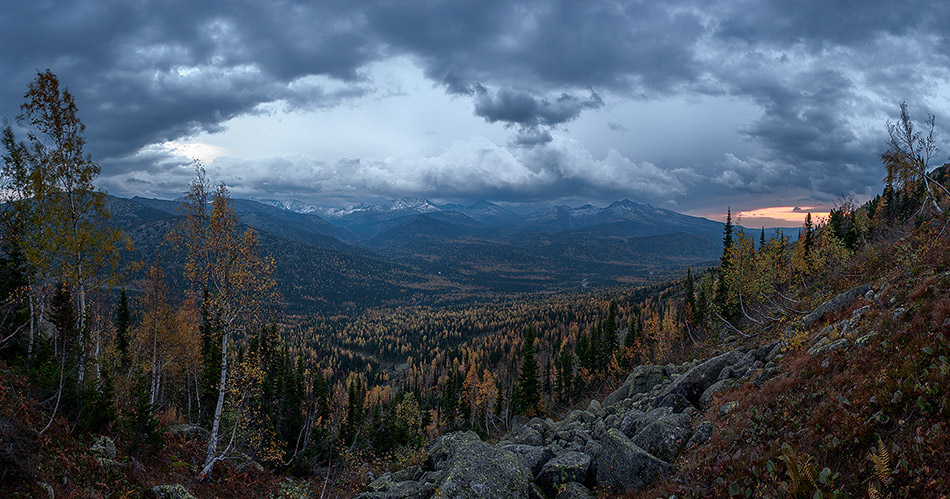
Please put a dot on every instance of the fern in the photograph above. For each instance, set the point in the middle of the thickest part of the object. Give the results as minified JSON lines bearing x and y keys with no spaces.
{"x":801,"y":472}
{"x":882,"y":462}
{"x":873,"y":493}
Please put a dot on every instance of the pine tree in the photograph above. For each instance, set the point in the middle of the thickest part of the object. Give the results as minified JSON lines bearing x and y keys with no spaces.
{"x":762,"y":239}
{"x":529,"y":398}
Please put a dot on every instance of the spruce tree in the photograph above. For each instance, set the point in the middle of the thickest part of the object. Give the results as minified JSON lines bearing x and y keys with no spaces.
{"x":529,"y":398}
{"x":724,"y":263}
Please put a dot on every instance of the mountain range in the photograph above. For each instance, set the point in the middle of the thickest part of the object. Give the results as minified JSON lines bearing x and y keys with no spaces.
{"x":373,"y":253}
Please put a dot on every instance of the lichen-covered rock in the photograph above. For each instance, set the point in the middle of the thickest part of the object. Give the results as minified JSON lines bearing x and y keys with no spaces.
{"x":718,"y":387}
{"x":474,"y":469}
{"x":176,"y":491}
{"x":531,"y":457}
{"x":441,"y":451}
{"x":636,"y":420}
{"x":575,"y":490}
{"x":564,"y":468}
{"x":622,"y":465}
{"x":837,"y":304}
{"x":665,"y":438}
{"x":694,"y":382}
{"x":828,"y":346}
{"x":103,"y":446}
{"x":702,"y":434}
{"x":641,"y":380}
{"x":674,"y":401}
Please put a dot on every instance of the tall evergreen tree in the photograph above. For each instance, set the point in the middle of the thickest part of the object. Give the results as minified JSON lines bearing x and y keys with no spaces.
{"x":808,"y":236}
{"x":724,"y":263}
{"x":529,"y":397}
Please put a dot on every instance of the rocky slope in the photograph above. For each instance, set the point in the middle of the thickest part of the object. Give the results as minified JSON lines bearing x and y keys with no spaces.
{"x":627,"y":441}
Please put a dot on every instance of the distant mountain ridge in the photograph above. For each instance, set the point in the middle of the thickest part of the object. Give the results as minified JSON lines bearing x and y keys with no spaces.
{"x":411,"y":247}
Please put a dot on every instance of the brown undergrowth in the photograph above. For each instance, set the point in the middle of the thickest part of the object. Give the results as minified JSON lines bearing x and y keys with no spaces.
{"x":862,"y":421}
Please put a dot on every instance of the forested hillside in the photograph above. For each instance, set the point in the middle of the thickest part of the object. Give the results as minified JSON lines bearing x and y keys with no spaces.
{"x":170,"y":353}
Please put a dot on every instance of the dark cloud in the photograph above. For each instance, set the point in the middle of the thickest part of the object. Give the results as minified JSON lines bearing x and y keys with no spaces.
{"x":824,"y":75}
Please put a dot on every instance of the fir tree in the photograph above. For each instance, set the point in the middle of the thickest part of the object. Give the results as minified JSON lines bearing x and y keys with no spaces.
{"x":529,"y":398}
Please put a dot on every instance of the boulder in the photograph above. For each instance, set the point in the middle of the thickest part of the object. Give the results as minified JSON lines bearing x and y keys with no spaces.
{"x":473,"y":469}
{"x":635,"y":420}
{"x":674,"y":401}
{"x":441,"y":451}
{"x":564,"y":468}
{"x":622,"y":465}
{"x":574,"y":490}
{"x":665,"y":438}
{"x":828,"y":346}
{"x":694,"y":382}
{"x":176,"y":491}
{"x":718,"y":387}
{"x":531,"y":457}
{"x":702,"y":434}
{"x":104,"y":447}
{"x":837,"y":304}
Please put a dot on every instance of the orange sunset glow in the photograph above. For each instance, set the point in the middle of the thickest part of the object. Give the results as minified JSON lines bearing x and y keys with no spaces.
{"x":773,"y":216}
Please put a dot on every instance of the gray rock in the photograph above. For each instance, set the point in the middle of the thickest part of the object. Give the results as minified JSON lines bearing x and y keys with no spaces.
{"x":837,"y":304}
{"x":527,"y":435}
{"x":665,"y":438}
{"x":441,"y":451}
{"x":176,"y":491}
{"x":575,"y":490}
{"x":694,"y":382}
{"x":674,"y":401}
{"x":768,"y":373}
{"x":410,"y":473}
{"x":473,"y":469}
{"x":531,"y":457}
{"x":776,"y":351}
{"x":622,"y":465}
{"x":564,"y":468}
{"x":702,"y":434}
{"x":641,"y":380}
{"x":865,"y":340}
{"x":718,"y":387}
{"x":103,"y":446}
{"x":382,"y":483}
{"x":762,"y":353}
{"x":595,"y":408}
{"x":616,"y":396}
{"x":826,"y":347}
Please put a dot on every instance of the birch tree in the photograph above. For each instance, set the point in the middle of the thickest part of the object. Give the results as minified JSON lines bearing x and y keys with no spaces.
{"x":64,"y":211}
{"x":224,"y":261}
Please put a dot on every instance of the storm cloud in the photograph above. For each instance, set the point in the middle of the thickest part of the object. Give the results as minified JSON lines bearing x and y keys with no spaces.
{"x":563,"y":80}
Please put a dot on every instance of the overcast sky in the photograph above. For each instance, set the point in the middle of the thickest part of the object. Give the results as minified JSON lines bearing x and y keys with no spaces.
{"x":692,"y":106}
